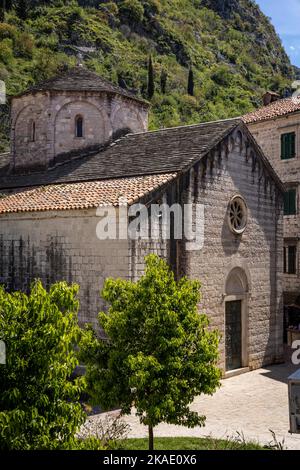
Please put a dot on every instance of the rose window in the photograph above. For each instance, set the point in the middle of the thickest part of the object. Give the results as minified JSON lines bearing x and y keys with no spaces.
{"x":237,"y":215}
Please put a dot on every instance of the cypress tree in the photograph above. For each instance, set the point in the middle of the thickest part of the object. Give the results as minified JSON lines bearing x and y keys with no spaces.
{"x":21,"y":9}
{"x":190,"y":88}
{"x":163,"y":81}
{"x":150,"y":78}
{"x":121,"y":82}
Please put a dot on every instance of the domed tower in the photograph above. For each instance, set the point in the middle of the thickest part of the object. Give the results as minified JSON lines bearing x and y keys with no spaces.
{"x":69,"y":114}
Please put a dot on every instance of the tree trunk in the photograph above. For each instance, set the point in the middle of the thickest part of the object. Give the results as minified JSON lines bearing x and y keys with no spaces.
{"x":151,"y":442}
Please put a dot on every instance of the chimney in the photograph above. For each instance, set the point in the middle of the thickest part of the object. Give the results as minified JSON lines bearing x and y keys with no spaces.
{"x":269,"y":97}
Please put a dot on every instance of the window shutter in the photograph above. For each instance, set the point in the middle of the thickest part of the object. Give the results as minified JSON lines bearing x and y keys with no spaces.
{"x":292,"y":256}
{"x":283,"y":139}
{"x":288,"y":146}
{"x":286,"y":203}
{"x":293,"y":145}
{"x":292,"y":201}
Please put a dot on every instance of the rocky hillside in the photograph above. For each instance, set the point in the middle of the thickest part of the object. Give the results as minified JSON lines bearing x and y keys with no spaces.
{"x":230,"y":45}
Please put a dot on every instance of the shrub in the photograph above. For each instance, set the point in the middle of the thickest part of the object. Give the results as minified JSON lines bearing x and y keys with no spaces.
{"x":6,"y":51}
{"x":7,"y":31}
{"x":23,"y":46}
{"x":222,"y":75}
{"x":39,"y":404}
{"x":132,"y":9}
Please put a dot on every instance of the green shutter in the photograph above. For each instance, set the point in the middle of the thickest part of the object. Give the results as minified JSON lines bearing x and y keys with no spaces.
{"x":286,"y":203}
{"x":292,"y":201}
{"x":288,"y":146}
{"x":292,"y":260}
{"x":293,"y":145}
{"x":290,"y":204}
{"x":283,"y":146}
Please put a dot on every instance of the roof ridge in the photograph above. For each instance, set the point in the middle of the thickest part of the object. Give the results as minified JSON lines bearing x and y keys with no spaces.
{"x":184,"y":126}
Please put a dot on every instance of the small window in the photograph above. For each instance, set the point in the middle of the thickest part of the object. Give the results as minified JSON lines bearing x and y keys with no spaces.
{"x":290,"y":206}
{"x":79,"y":126}
{"x":32,"y":130}
{"x":288,"y":146}
{"x":290,"y":259}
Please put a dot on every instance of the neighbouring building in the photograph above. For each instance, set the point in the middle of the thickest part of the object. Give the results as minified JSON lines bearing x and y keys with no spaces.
{"x":79,"y":143}
{"x":276,"y":127}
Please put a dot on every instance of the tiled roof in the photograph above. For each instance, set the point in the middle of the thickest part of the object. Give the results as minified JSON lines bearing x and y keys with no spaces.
{"x":81,"y":79}
{"x":85,"y":195}
{"x":147,"y":153}
{"x":276,"y":109}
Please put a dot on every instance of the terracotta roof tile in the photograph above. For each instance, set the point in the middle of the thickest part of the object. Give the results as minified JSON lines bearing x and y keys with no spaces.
{"x":276,"y":109}
{"x":85,"y":195}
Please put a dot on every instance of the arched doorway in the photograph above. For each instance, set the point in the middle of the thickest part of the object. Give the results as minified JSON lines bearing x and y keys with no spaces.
{"x":236,"y":324}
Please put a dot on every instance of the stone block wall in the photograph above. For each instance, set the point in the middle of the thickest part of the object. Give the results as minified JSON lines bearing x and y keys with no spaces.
{"x":268,"y":136}
{"x":105,"y":118}
{"x":61,"y":246}
{"x":257,"y":252}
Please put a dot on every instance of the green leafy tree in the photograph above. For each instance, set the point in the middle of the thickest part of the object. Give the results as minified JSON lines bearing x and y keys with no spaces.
{"x":151,"y":86}
{"x":190,"y":88}
{"x":39,"y":407}
{"x":131,"y":10}
{"x":159,"y":353}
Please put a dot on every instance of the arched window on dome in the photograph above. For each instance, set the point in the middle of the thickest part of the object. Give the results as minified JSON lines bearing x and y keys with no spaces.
{"x":79,"y":126}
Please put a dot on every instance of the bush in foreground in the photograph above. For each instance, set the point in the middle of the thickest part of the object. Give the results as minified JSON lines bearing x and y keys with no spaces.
{"x":39,"y":405}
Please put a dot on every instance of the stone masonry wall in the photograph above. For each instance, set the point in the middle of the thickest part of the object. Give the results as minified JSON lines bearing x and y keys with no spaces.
{"x":61,"y":246}
{"x":54,"y":114}
{"x":257,"y":252}
{"x":268,"y":135}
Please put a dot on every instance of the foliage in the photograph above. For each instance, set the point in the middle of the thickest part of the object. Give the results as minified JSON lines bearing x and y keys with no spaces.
{"x":132,"y":10}
{"x":234,"y":53}
{"x":159,"y":353}
{"x":150,"y":78}
{"x":39,"y":404}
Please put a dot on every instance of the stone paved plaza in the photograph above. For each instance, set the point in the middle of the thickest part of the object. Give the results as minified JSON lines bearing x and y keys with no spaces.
{"x":251,"y":403}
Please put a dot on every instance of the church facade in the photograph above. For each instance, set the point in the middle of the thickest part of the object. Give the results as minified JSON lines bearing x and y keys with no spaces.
{"x":79,"y":144}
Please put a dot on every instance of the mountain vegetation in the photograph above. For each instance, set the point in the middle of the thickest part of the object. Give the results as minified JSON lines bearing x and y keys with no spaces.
{"x":195,"y":60}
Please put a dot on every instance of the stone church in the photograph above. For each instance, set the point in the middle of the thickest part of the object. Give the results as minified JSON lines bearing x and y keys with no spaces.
{"x":79,"y":143}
